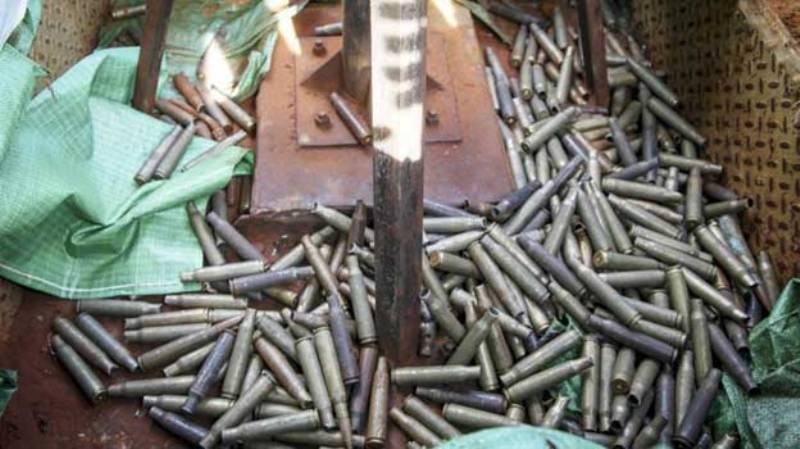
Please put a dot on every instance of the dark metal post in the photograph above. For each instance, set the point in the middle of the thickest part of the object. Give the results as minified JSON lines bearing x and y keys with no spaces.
{"x":355,"y":48}
{"x":152,"y":49}
{"x":397,"y":123}
{"x":593,"y":49}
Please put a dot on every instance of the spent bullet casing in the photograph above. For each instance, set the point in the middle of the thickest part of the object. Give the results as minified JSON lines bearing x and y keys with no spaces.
{"x":556,"y":413}
{"x":310,"y":365}
{"x":538,"y":359}
{"x":163,"y":334}
{"x":571,"y":305}
{"x":147,"y":169}
{"x":417,"y":409}
{"x":178,"y":425}
{"x":433,"y":375}
{"x":283,"y":371}
{"x":243,"y":407}
{"x":733,"y":363}
{"x":119,"y":308}
{"x":377,"y":417}
{"x":468,"y":346}
{"x":590,"y":386}
{"x":623,"y":371}
{"x":359,"y":399}
{"x":634,"y":279}
{"x":240,"y":356}
{"x":187,"y":316}
{"x":620,"y":412}
{"x":678,"y":294}
{"x":265,"y":428}
{"x":270,"y":410}
{"x":516,"y":412}
{"x":213,"y":407}
{"x":189,"y":362}
{"x":83,"y":345}
{"x":612,"y":261}
{"x":545,"y":379}
{"x":365,"y":323}
{"x":642,"y":381}
{"x":345,"y":353}
{"x":649,"y":435}
{"x":276,"y":334}
{"x":638,"y":341}
{"x":728,"y":441}
{"x":608,"y":356}
{"x":639,"y":190}
{"x":415,"y":430}
{"x":224,"y":272}
{"x":204,"y":235}
{"x":675,"y":257}
{"x":725,"y":257}
{"x":634,"y":423}
{"x":233,"y":237}
{"x":712,"y":296}
{"x":691,"y":425}
{"x":205,"y":300}
{"x":452,"y":263}
{"x":260,"y":281}
{"x":331,"y":370}
{"x":151,"y":387}
{"x":555,"y":267}
{"x":665,"y":401}
{"x":92,"y":387}
{"x":173,"y":155}
{"x":463,"y":416}
{"x":490,"y":402}
{"x":106,"y":342}
{"x":494,"y":277}
{"x":209,"y":371}
{"x":607,"y":296}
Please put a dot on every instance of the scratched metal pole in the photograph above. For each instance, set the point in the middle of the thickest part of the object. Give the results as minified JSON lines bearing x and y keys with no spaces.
{"x":593,"y":49}
{"x":152,"y":49}
{"x":398,"y":90}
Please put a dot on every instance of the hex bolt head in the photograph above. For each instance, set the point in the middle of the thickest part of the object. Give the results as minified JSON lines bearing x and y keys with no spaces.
{"x":319,"y":48}
{"x":322,"y":120}
{"x":431,"y":117}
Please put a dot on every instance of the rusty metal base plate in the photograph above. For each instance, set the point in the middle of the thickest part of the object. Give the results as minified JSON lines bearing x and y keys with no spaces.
{"x":290,"y":178}
{"x":317,"y":76}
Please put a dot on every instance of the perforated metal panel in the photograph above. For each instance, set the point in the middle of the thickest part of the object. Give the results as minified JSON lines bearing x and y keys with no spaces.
{"x":67,"y":32}
{"x":740,"y":96}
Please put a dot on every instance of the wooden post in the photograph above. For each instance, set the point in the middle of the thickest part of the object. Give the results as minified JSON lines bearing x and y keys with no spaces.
{"x":152,"y":49}
{"x":593,"y":49}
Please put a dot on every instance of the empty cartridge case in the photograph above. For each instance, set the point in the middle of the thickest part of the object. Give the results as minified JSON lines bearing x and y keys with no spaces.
{"x":671,"y":118}
{"x":546,"y":379}
{"x":494,"y":277}
{"x":638,"y":341}
{"x":490,"y":402}
{"x":147,"y":170}
{"x":223,"y":272}
{"x":733,"y":363}
{"x":665,"y":401}
{"x":282,"y":369}
{"x":188,"y":362}
{"x":675,"y":257}
{"x":188,"y":316}
{"x":418,"y":410}
{"x":563,"y":275}
{"x":92,"y":387}
{"x":678,"y":294}
{"x":634,"y":279}
{"x":163,"y":334}
{"x":452,"y":263}
{"x":732,"y":265}
{"x":377,"y":425}
{"x":235,"y":112}
{"x":243,"y":407}
{"x":701,"y":344}
{"x":276,"y":334}
{"x":357,"y":127}
{"x":213,"y":407}
{"x":555,"y":414}
{"x":326,"y":351}
{"x":607,"y":296}
{"x":633,"y":189}
{"x":608,"y":356}
{"x":574,"y":307}
{"x":362,"y":312}
{"x":634,"y":423}
{"x":538,"y":359}
{"x":310,"y":364}
{"x":623,"y":371}
{"x":240,"y":356}
{"x":590,"y":387}
{"x":106,"y":342}
{"x":620,"y":412}
{"x":474,"y":418}
{"x":432,"y":375}
{"x":264,"y":428}
{"x":260,"y":281}
{"x":84,"y":346}
{"x":177,"y":425}
{"x":173,"y":155}
{"x":150,"y":387}
{"x":692,"y":424}
{"x":359,"y":400}
{"x":653,"y":82}
{"x":728,"y":441}
{"x":767,"y":272}
{"x":119,"y":308}
{"x":712,"y":297}
{"x":648,"y":436}
{"x":642,"y":381}
{"x":468,"y":345}
{"x":612,"y":261}
{"x":416,"y":430}
{"x":209,"y":372}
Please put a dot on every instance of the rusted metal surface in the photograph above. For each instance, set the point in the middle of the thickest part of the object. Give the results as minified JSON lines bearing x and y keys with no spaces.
{"x":290,"y":178}
{"x":317,"y":76}
{"x":593,"y":49}
{"x":152,"y":49}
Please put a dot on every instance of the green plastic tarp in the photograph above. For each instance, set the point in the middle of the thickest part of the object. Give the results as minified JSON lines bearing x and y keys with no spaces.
{"x":73,"y":223}
{"x":522,"y":437}
{"x":769,"y":420}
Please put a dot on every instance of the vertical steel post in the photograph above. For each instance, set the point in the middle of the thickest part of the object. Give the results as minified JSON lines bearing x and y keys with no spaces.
{"x":593,"y":49}
{"x":152,"y":49}
{"x":355,"y":48}
{"x":398,"y":90}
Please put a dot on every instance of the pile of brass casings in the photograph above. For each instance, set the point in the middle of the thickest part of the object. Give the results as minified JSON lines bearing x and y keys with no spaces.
{"x":618,"y":261}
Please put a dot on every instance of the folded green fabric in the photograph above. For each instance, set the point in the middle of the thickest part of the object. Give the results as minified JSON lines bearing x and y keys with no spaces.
{"x":522,"y":437}
{"x":73,"y":223}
